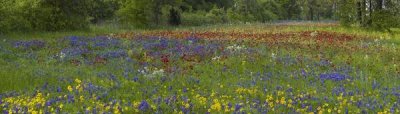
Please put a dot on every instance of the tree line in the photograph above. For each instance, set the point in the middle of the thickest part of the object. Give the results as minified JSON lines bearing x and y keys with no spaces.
{"x":56,"y":15}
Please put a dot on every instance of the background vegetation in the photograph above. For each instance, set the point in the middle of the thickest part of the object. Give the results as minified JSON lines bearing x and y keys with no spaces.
{"x":61,"y":15}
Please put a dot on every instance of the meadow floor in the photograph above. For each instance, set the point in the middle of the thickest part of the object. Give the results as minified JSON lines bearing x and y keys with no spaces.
{"x":293,"y":68}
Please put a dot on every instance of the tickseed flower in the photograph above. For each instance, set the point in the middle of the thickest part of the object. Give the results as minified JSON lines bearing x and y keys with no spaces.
{"x":69,"y":88}
{"x":81,"y":98}
{"x":61,"y":106}
{"x":283,"y":101}
{"x":78,"y":81}
{"x":216,"y":106}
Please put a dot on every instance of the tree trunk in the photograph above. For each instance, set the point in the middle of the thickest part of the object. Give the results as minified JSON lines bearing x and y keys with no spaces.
{"x":157,"y":12}
{"x":359,"y":12}
{"x":379,"y":5}
{"x":369,"y":22}
{"x":363,"y":8}
{"x":311,"y":8}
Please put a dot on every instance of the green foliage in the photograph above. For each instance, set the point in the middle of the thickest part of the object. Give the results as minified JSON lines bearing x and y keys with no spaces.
{"x":347,"y":13}
{"x":135,"y":12}
{"x":59,"y":15}
{"x":14,"y":13}
{"x":217,"y":15}
{"x":196,"y":18}
{"x":43,"y":15}
{"x":102,"y":10}
{"x":214,"y":16}
{"x":384,"y":20}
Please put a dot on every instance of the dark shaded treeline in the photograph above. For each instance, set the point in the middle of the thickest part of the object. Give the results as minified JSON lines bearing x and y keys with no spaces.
{"x":55,"y":15}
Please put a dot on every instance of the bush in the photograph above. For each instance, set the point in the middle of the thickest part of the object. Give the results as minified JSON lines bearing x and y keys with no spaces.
{"x":43,"y":15}
{"x":136,"y":13}
{"x":217,"y":15}
{"x":14,"y":13}
{"x":214,"y":16}
{"x":384,"y":20}
{"x":235,"y":17}
{"x":102,"y":10}
{"x":196,"y":18}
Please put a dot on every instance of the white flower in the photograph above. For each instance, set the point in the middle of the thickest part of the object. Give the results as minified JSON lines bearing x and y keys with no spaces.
{"x":236,"y":48}
{"x":216,"y":58}
{"x":155,"y":73}
{"x":273,"y":55}
{"x":62,"y":55}
{"x":4,"y":40}
{"x":143,"y":71}
{"x":314,"y":34}
{"x":366,"y":57}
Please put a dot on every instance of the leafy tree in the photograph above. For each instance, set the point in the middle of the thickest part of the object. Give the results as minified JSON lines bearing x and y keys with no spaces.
{"x":47,"y":15}
{"x":135,"y":12}
{"x":101,"y":10}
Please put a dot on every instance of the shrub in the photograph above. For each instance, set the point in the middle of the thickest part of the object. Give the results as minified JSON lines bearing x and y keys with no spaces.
{"x":135,"y":12}
{"x":384,"y":20}
{"x":43,"y":15}
{"x":195,"y":18}
{"x":217,"y":15}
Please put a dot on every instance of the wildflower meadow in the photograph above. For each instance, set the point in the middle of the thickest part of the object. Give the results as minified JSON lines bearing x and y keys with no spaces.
{"x":241,"y":70}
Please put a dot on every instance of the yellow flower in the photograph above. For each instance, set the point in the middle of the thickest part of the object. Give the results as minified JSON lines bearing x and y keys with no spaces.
{"x":116,"y":111}
{"x":35,"y":112}
{"x":79,"y":88}
{"x":283,"y":101}
{"x":78,"y":81}
{"x":329,"y":110}
{"x":216,"y":106}
{"x":89,"y":108}
{"x":81,"y":98}
{"x":69,"y":88}
{"x":61,"y":106}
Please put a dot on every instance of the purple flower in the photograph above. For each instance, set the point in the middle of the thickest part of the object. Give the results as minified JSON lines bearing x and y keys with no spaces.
{"x":34,"y":44}
{"x":5,"y":112}
{"x":75,"y":41}
{"x":144,"y":106}
{"x":193,"y":39}
{"x":74,"y":52}
{"x":115,"y":54}
{"x":332,"y":76}
{"x":70,"y":98}
{"x":184,"y":90}
{"x":237,"y":107}
{"x":104,"y":42}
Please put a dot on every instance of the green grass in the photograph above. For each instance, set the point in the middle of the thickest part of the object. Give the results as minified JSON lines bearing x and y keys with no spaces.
{"x":265,"y":69}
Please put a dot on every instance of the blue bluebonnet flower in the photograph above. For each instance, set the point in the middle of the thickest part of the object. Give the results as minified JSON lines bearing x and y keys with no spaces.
{"x":115,"y":54}
{"x":332,"y":76}
{"x":74,"y":52}
{"x":106,"y":42}
{"x":75,"y":41}
{"x":237,"y":107}
{"x":34,"y":44}
{"x":143,"y":106}
{"x":193,"y":39}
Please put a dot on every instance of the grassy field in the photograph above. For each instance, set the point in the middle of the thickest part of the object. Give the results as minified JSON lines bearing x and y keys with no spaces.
{"x":254,"y":68}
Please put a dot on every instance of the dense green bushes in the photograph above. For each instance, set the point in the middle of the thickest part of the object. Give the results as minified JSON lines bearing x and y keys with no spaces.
{"x":135,"y":12}
{"x":375,"y":14}
{"x":56,"y":15}
{"x":50,"y":15}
